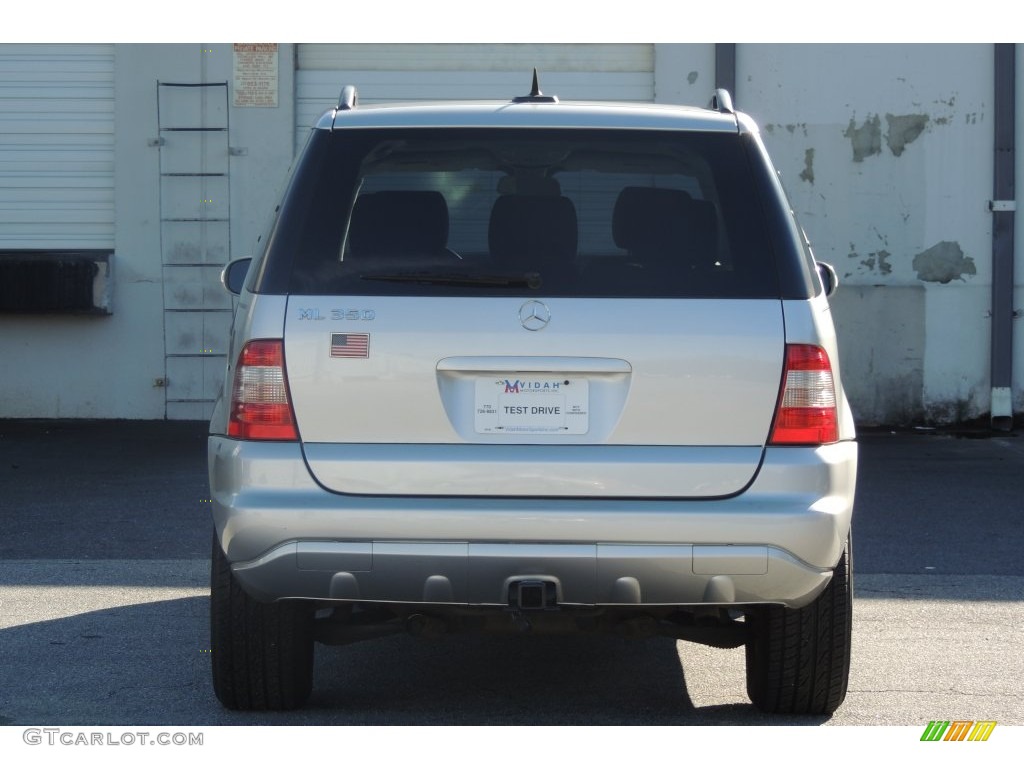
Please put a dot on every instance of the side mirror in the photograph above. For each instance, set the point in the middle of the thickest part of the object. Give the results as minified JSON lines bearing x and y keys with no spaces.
{"x":232,"y":277}
{"x":829,"y":278}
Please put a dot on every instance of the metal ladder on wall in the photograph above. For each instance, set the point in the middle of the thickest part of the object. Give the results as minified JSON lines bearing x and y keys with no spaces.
{"x":195,"y":243}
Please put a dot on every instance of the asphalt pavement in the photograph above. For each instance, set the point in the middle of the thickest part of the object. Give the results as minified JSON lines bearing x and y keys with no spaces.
{"x":104,"y":602}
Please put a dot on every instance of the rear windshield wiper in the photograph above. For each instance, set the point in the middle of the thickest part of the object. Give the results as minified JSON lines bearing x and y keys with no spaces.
{"x":529,"y":280}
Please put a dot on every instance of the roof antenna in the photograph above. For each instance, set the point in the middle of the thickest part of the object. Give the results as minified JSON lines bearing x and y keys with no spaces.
{"x":535,"y":96}
{"x":535,"y":91}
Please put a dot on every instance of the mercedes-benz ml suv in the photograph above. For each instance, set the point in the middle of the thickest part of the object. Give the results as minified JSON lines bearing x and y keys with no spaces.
{"x":533,"y":366}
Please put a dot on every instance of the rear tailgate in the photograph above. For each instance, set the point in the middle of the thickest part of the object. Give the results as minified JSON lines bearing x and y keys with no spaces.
{"x":612,"y":398}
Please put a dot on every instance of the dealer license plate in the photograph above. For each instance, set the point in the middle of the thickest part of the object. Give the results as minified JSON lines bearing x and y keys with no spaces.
{"x":528,"y":405}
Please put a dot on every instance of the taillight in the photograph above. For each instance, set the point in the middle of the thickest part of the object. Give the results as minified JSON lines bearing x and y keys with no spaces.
{"x":806,"y":413}
{"x":260,"y":406}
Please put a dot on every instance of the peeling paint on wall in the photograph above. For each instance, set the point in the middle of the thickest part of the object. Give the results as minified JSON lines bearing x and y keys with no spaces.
{"x":875,"y":260}
{"x":790,"y":128}
{"x":807,"y":174}
{"x":879,"y":259}
{"x":692,"y":77}
{"x":903,"y":129}
{"x":865,"y":140}
{"x":943,"y":263}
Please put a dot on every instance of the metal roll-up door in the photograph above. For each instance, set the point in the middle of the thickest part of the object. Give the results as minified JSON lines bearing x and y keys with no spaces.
{"x":56,"y":147}
{"x":413,"y":72}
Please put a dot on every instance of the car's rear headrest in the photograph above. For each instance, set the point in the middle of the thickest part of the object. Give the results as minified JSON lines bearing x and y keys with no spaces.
{"x":665,"y":224}
{"x":533,"y":231}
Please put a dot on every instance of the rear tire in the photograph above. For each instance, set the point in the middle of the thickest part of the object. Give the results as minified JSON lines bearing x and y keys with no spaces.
{"x":798,"y":660}
{"x":262,"y":652}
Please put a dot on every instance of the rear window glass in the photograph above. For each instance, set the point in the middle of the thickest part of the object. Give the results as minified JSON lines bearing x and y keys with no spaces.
{"x":531,"y":211}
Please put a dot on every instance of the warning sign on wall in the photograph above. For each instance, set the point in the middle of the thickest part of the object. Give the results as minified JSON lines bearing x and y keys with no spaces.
{"x":255,"y":72}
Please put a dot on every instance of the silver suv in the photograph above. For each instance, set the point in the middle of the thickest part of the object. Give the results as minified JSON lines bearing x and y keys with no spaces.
{"x":533,"y":366}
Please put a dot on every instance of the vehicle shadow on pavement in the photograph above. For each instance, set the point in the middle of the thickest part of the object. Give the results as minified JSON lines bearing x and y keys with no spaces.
{"x":119,"y":665}
{"x":149,"y":664}
{"x":505,"y":680}
{"x":518,"y":680}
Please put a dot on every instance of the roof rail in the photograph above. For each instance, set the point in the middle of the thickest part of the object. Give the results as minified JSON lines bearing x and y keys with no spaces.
{"x":349,"y":98}
{"x":535,"y":96}
{"x":721,"y":101}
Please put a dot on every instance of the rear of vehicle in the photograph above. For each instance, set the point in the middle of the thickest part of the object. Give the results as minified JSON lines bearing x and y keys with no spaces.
{"x":533,"y":367}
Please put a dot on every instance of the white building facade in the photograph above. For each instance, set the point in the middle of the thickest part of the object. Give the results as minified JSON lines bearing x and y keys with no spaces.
{"x":159,"y":163}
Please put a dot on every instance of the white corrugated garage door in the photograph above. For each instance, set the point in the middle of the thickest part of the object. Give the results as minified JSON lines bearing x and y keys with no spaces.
{"x":56,"y":146}
{"x":411,"y":72}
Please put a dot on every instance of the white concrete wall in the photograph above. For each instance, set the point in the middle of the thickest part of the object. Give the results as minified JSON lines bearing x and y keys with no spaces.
{"x":105,"y":367}
{"x":886,"y":152}
{"x":684,"y":74}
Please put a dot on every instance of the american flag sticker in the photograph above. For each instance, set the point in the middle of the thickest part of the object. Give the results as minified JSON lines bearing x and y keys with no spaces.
{"x":350,"y":345}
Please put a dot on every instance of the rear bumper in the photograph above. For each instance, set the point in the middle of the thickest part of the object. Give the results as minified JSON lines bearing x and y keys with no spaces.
{"x":287,"y":537}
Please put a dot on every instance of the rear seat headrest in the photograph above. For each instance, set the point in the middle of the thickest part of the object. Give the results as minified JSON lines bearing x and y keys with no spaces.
{"x":648,"y":214}
{"x":665,"y":224}
{"x":539,"y":228}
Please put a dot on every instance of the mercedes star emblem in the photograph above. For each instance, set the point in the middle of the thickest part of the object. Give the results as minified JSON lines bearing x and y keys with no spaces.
{"x":534,"y":315}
